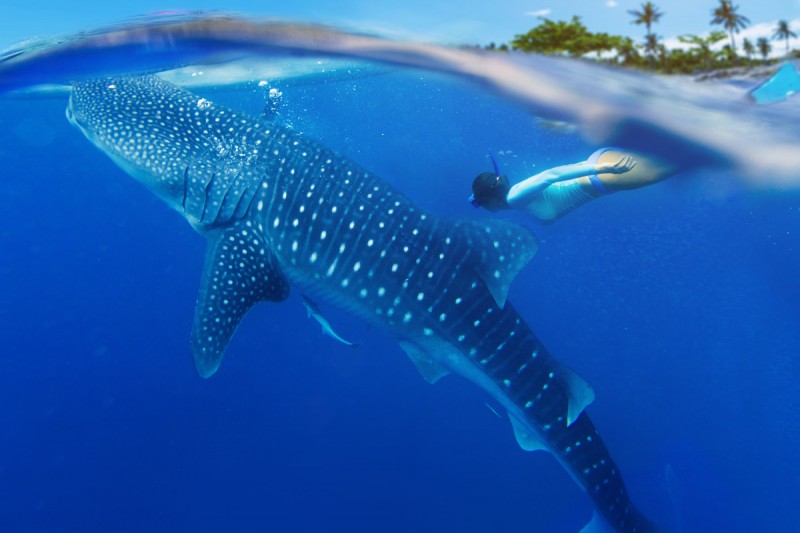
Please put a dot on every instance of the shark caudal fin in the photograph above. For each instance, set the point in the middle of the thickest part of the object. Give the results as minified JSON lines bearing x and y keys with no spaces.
{"x":502,"y":249}
{"x":240,"y":270}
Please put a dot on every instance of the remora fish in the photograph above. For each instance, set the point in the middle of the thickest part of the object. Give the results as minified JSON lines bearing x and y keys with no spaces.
{"x":279,"y":209}
{"x":313,"y":312}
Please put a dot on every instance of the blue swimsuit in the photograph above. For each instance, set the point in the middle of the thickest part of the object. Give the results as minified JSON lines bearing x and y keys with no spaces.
{"x":561,"y":198}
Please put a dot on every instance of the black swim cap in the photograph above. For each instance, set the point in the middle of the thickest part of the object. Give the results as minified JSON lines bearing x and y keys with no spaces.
{"x":490,"y":191}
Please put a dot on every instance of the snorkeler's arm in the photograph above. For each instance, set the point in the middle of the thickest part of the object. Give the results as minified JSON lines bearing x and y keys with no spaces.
{"x":524,"y":191}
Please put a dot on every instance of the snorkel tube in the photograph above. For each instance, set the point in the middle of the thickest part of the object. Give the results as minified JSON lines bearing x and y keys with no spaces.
{"x":472,"y":198}
{"x":494,"y":164}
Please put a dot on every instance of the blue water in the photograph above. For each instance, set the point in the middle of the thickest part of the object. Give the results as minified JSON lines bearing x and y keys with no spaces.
{"x":678,"y":303}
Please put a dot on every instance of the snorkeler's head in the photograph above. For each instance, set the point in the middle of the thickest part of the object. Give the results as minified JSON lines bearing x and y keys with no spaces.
{"x":489,"y":190}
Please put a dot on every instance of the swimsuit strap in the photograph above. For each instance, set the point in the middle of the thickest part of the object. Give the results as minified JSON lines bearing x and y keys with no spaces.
{"x":598,"y":185}
{"x":593,"y":179}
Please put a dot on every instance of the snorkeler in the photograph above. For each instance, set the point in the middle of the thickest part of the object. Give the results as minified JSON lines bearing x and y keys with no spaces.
{"x":551,"y":194}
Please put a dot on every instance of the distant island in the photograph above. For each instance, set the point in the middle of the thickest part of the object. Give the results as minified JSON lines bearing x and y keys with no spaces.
{"x":571,"y":38}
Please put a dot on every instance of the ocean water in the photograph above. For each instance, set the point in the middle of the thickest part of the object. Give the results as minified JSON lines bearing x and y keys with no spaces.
{"x":678,"y":303}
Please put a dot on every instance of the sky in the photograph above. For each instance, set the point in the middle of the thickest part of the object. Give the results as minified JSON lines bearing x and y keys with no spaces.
{"x":441,"y":21}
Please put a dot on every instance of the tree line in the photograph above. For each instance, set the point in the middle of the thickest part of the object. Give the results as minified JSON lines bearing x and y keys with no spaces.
{"x":572,"y":38}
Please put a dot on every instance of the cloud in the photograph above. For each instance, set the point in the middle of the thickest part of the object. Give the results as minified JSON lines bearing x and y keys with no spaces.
{"x":753,"y":33}
{"x":766,"y":29}
{"x":538,"y":13}
{"x":611,"y":3}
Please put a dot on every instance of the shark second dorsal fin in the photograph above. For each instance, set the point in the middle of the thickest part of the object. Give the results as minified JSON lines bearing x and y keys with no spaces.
{"x":579,"y":393}
{"x":502,"y":249}
{"x":240,"y":270}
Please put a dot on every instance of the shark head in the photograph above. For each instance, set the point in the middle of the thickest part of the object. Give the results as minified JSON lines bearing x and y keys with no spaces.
{"x":153,"y":130}
{"x":203,"y":161}
{"x":138,"y":134}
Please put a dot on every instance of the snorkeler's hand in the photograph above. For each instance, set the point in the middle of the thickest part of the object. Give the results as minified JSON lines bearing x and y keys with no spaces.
{"x":621,"y":166}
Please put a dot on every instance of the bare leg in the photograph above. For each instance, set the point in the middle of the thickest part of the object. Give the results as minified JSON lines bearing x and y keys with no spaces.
{"x":646,"y":172}
{"x":560,"y":198}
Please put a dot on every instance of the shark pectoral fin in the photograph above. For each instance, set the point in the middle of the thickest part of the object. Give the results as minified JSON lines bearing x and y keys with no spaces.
{"x":430,"y":369}
{"x":525,"y":438}
{"x":240,"y":270}
{"x":579,"y":393}
{"x":502,"y":249}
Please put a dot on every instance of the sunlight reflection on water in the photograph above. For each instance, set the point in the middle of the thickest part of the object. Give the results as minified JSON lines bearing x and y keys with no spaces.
{"x":708,"y":125}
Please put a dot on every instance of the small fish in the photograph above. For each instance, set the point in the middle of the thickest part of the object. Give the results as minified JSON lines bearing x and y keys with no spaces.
{"x":316,"y":314}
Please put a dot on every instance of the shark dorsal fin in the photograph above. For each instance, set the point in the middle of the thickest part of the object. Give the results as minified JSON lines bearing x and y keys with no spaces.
{"x":430,"y":369}
{"x":240,"y":270}
{"x":527,"y":440}
{"x":579,"y":393}
{"x":502,"y":249}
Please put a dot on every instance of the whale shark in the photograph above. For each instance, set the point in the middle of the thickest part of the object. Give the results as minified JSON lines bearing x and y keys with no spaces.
{"x":279,"y":209}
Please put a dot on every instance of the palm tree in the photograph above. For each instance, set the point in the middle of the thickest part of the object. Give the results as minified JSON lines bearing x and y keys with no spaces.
{"x":651,"y":47}
{"x":748,"y":48}
{"x":555,"y":37}
{"x":703,"y":46}
{"x":663,"y":55}
{"x":648,"y":16}
{"x":783,"y":31}
{"x":726,"y":15}
{"x":626,"y":51}
{"x":764,"y":48}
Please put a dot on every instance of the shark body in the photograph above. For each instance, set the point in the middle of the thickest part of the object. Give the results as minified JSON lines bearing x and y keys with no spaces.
{"x":278,"y":209}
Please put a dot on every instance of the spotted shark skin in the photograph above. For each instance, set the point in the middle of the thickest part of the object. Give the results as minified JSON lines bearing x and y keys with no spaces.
{"x":279,"y":209}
